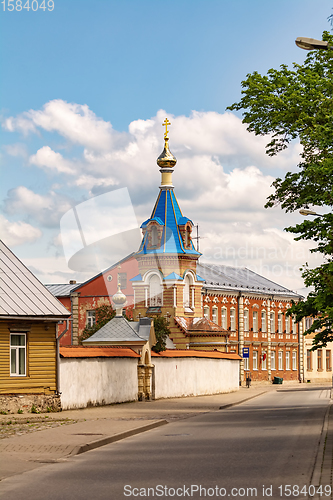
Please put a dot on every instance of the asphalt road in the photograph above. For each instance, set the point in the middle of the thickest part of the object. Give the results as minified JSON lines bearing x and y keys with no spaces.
{"x":254,"y":449}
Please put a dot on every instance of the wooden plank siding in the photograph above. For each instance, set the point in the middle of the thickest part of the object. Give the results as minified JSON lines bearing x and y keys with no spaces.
{"x":41,"y":359}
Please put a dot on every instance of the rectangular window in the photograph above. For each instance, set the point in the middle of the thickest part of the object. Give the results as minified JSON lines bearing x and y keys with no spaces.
{"x":264,"y":360}
{"x":214,"y":315}
{"x":263,"y":321}
{"x":294,"y":325}
{"x":280,"y":322}
{"x":272,"y":321}
{"x":255,"y":360}
{"x":287,"y":324}
{"x":309,"y":359}
{"x":232,"y":320}
{"x":328,"y":360}
{"x":280,"y":360}
{"x":224,"y":318}
{"x":246,"y":320}
{"x":18,"y":351}
{"x":122,"y":279}
{"x":273,"y":360}
{"x":91,"y":318}
{"x":206,"y":312}
{"x":246,"y":364}
{"x":319,"y":359}
{"x":294,"y":360}
{"x":255,"y":321}
{"x":287,"y":360}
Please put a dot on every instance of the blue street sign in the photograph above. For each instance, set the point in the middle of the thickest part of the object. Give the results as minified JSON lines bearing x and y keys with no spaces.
{"x":246,"y":352}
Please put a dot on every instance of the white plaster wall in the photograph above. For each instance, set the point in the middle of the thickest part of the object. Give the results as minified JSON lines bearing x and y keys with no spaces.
{"x":314,"y":375}
{"x":177,"y":377}
{"x":97,"y":381}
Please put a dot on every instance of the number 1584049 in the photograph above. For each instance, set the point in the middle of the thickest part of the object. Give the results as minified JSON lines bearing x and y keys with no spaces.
{"x":27,"y":5}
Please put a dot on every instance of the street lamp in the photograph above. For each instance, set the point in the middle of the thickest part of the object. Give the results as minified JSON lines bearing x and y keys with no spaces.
{"x":312,"y":43}
{"x":306,"y":212}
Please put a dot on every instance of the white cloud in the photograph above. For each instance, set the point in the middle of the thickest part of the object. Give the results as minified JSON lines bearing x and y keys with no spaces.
{"x":18,"y":233}
{"x":222,"y":178}
{"x":47,"y":210}
{"x":49,"y":159}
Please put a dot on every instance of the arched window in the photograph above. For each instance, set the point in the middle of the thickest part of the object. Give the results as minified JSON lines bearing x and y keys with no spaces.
{"x":224,"y":317}
{"x":187,"y":291}
{"x":155,"y":291}
{"x":154,"y":236}
{"x":214,"y":314}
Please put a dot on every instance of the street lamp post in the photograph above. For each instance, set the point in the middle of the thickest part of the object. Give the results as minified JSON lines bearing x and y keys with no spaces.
{"x":312,"y":44}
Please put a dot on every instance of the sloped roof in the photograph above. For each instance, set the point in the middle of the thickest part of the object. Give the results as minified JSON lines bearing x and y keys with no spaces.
{"x":97,"y":352}
{"x":120,"y":329}
{"x":21,"y":293}
{"x":199,"y":326}
{"x":62,"y":290}
{"x":220,"y":277}
{"x":189,"y":353}
{"x":168,"y":212}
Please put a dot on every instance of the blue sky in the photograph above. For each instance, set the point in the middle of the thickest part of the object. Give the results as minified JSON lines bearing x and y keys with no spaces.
{"x":82,"y":88}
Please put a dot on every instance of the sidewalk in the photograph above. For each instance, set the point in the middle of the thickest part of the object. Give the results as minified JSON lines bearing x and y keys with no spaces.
{"x":73,"y":432}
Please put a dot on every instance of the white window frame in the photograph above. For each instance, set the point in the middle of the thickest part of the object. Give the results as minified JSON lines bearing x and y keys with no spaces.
{"x":224,"y":318}
{"x":90,"y":318}
{"x":122,"y":280}
{"x":264,"y":361}
{"x":233,"y":319}
{"x":215,"y":314}
{"x":294,"y":326}
{"x":15,"y":350}
{"x":272,"y":321}
{"x":255,"y":360}
{"x":294,"y":360}
{"x":280,"y":322}
{"x":155,"y":296}
{"x":287,"y":321}
{"x":287,"y":360}
{"x":206,"y":312}
{"x":255,"y":321}
{"x":280,"y":360}
{"x":273,"y":358}
{"x":263,"y":322}
{"x":246,"y":320}
{"x":246,"y":364}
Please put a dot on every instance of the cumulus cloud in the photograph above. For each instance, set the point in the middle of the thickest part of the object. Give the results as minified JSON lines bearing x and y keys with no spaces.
{"x":18,"y":233}
{"x":48,"y":159}
{"x":222,"y":178}
{"x":45,"y":209}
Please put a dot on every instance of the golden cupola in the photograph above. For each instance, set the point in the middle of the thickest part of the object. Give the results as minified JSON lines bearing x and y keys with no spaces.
{"x":166,"y":161}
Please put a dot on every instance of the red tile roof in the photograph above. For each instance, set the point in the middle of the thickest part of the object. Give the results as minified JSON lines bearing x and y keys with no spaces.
{"x":199,"y":326}
{"x":191,"y":353}
{"x":97,"y":352}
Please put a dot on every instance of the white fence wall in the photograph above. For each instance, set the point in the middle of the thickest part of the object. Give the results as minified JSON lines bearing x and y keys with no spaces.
{"x":177,"y":377}
{"x":102,"y":381}
{"x":97,"y":381}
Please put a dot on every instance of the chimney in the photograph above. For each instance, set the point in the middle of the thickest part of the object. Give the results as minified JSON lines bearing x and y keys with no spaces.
{"x":72,"y":282}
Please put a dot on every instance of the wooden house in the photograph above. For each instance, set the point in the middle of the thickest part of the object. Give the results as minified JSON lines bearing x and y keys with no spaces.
{"x":29,"y":314}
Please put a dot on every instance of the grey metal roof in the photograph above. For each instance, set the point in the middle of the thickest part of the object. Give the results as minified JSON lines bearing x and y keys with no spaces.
{"x":228,"y":278}
{"x":62,"y":290}
{"x":118,"y":329}
{"x":21,"y":293}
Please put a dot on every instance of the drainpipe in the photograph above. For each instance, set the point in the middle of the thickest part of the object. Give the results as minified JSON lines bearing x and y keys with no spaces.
{"x":241,"y":335}
{"x":58,"y":356}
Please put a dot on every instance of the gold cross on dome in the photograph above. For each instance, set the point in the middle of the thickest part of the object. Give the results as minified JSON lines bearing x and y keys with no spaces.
{"x":166,"y":123}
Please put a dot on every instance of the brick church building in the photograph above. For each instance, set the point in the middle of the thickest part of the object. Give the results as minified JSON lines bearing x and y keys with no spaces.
{"x":208,"y":307}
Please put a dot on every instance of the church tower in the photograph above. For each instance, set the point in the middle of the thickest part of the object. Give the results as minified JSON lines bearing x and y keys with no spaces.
{"x":168,"y":284}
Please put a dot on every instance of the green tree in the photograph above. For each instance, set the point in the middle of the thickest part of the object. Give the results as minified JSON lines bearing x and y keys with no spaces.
{"x":298,"y":103}
{"x":103,"y":315}
{"x":162,"y":331}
